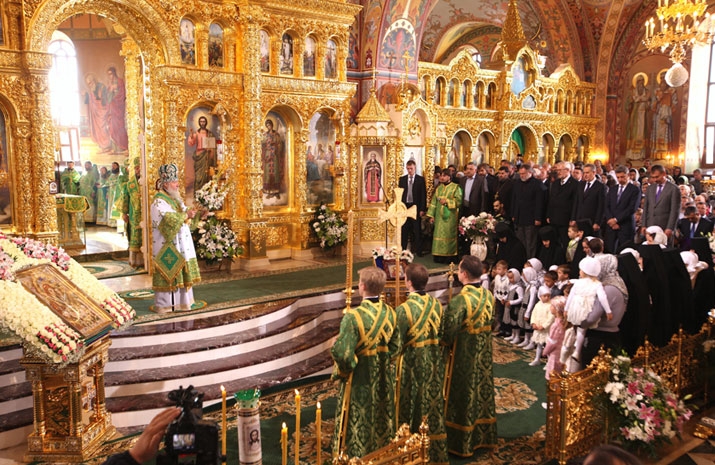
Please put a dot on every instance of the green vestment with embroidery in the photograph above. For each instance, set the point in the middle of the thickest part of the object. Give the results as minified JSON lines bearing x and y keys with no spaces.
{"x":471,"y":411}
{"x":132,"y":206}
{"x":421,"y":378}
{"x":363,"y":354}
{"x":444,"y":237}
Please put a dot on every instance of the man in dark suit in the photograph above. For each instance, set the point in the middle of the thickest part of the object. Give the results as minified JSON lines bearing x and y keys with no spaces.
{"x":662,"y":203}
{"x":691,"y":226}
{"x":562,"y":196}
{"x":474,"y":191}
{"x":491,"y":186}
{"x":504,"y":187}
{"x":622,"y":201}
{"x":527,"y":208}
{"x":590,"y":199}
{"x":414,"y":192}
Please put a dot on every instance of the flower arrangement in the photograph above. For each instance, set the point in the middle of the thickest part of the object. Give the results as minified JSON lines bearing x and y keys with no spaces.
{"x":477,"y":226}
{"x":391,"y":254}
{"x":214,"y":240}
{"x":711,"y":242}
{"x":329,"y":227}
{"x":648,"y":414}
{"x":211,"y":195}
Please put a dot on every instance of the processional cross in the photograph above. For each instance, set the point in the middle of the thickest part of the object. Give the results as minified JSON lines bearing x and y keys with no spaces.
{"x":397,"y":215}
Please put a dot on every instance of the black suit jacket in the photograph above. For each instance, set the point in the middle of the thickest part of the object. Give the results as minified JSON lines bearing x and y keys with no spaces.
{"x":527,"y":202}
{"x":624,"y":208}
{"x":477,"y":196}
{"x":419,"y":192}
{"x":561,"y":201}
{"x":503,"y":193}
{"x":705,"y":227}
{"x":591,"y":204}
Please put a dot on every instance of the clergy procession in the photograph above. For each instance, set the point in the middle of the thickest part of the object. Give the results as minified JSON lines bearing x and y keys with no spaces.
{"x":579,"y":258}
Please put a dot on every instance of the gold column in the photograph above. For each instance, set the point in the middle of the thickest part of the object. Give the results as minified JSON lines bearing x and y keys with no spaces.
{"x":252,"y":175}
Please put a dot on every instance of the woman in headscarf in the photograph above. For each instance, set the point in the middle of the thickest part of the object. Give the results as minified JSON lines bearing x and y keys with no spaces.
{"x":654,"y":235}
{"x":606,"y":333}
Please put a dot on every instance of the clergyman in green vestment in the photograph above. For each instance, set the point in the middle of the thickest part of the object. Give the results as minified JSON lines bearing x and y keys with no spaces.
{"x":88,"y":188}
{"x":69,"y":180}
{"x":444,"y":212}
{"x":471,"y":412}
{"x":363,"y":354}
{"x":420,"y":384}
{"x":132,"y":214}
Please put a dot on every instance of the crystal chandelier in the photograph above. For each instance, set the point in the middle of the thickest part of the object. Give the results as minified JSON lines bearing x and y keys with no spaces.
{"x":681,"y":24}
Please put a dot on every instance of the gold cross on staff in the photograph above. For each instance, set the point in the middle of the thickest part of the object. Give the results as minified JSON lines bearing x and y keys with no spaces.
{"x":397,"y":215}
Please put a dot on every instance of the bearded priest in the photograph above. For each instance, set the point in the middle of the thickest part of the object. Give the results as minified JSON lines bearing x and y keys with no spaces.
{"x":175,"y":267}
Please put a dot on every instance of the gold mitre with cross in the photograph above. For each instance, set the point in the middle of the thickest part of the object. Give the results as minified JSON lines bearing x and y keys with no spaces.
{"x":398,"y":213}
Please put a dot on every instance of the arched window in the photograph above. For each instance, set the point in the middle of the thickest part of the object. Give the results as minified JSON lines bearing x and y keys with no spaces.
{"x":64,"y":87}
{"x":477,"y":57}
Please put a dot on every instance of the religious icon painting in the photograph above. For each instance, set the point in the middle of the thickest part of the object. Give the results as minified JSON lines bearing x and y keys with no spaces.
{"x":286,"y":56}
{"x":331,"y":60}
{"x":320,"y":160}
{"x":2,"y":30}
{"x":309,"y":57}
{"x":187,"y":41}
{"x":5,"y":178}
{"x":265,"y":48}
{"x":274,"y":163}
{"x":373,"y":176}
{"x":518,"y":71}
{"x":203,"y":130}
{"x":415,"y":154}
{"x":216,"y":45}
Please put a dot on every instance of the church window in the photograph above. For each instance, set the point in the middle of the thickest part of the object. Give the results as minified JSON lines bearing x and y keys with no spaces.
{"x":63,"y":79}
{"x":709,"y":149}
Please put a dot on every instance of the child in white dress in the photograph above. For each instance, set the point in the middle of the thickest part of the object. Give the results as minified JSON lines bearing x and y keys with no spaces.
{"x":512,"y":304}
{"x":580,"y":302}
{"x":541,"y":321}
{"x":500,"y":289}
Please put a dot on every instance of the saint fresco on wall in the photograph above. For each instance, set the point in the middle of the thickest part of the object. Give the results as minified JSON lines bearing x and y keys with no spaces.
{"x":201,"y":158}
{"x":216,"y":45}
{"x":309,"y":57}
{"x":187,"y":41}
{"x":373,"y":161}
{"x":5,"y":187}
{"x":274,"y":160}
{"x":320,"y":159}
{"x":265,"y":52}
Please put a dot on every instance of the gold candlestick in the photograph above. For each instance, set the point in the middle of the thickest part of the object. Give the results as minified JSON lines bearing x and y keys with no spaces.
{"x":297,"y":427}
{"x":318,"y":442}
{"x":223,"y":423}
{"x":284,"y":444}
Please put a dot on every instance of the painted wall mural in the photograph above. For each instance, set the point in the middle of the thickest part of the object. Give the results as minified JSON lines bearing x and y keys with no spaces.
{"x":319,"y":160}
{"x":203,"y":130}
{"x":274,"y":156}
{"x":398,"y":50}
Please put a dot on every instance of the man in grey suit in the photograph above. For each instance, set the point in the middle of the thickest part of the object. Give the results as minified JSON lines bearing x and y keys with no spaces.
{"x":662,"y":203}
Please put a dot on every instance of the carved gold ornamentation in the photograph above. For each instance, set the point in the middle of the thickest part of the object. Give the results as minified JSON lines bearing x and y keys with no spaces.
{"x":276,"y":236}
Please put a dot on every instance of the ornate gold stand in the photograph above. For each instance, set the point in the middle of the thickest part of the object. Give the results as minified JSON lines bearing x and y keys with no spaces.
{"x":70,"y":417}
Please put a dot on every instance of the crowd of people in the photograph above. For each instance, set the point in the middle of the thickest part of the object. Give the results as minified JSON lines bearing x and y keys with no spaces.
{"x":582,"y":257}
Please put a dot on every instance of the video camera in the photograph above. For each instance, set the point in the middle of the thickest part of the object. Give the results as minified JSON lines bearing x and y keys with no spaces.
{"x":190,"y":440}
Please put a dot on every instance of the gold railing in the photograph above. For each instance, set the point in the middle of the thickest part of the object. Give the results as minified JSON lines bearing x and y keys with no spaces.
{"x":405,"y":449}
{"x":576,"y":418}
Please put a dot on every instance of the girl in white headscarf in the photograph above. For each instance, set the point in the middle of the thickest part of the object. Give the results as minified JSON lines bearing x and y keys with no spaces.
{"x":512,"y":304}
{"x":654,"y":235}
{"x":531,"y":285}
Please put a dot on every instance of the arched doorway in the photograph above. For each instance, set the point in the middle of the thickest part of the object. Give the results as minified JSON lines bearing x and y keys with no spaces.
{"x":565,"y":151}
{"x":460,"y":151}
{"x":522,"y":141}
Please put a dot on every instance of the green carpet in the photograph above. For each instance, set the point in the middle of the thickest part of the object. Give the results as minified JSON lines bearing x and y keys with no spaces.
{"x":267,"y":286}
{"x":104,"y":269}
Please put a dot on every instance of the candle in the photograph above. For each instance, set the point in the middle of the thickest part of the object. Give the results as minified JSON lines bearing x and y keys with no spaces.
{"x":297,"y":427}
{"x":318,"y":442}
{"x":223,"y":423}
{"x":284,"y":444}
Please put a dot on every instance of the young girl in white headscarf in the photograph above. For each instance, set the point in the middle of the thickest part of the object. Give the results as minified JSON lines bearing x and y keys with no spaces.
{"x":512,"y":304}
{"x":531,"y":285}
{"x":541,"y":321}
{"x":583,"y":295}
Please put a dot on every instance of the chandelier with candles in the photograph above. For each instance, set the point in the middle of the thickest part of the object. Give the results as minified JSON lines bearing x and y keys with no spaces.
{"x":680,"y":24}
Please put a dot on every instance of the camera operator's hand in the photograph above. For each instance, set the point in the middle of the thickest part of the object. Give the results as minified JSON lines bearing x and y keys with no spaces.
{"x":147,"y":445}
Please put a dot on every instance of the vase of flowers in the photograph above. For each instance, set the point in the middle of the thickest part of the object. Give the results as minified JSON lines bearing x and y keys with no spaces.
{"x":329,"y":228}
{"x":214,"y":240}
{"x":647,"y":414}
{"x":477,"y":228}
{"x":387,"y":259}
